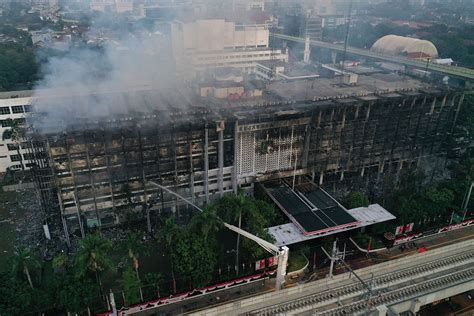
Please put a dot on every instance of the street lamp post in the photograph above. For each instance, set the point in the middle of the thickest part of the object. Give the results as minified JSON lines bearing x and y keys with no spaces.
{"x":466,"y":200}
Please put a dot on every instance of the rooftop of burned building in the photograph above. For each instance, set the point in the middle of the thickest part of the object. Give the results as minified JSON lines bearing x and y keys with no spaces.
{"x":180,"y":107}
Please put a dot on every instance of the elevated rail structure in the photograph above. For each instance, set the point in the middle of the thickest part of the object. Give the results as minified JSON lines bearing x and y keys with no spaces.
{"x":399,"y":285}
{"x":459,"y":72}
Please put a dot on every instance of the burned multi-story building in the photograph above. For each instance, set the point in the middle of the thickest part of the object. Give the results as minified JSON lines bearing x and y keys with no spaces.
{"x":96,"y":171}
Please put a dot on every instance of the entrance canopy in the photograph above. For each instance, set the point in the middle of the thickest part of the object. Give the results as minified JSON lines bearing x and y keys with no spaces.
{"x":314,"y":213}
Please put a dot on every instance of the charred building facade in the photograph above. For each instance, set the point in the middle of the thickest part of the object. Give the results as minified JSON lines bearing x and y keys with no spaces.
{"x":97,"y":172}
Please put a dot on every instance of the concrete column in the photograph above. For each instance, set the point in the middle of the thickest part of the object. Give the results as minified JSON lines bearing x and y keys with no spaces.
{"x":415,"y":306}
{"x":321,"y":178}
{"x":307,"y":50}
{"x":367,"y":115}
{"x":362,"y":171}
{"x":433,"y":104}
{"x":380,"y":311}
{"x":191,"y":172}
{"x":399,"y":169}
{"x":343,"y":119}
{"x":281,"y":269}
{"x":461,"y":99}
{"x":234,"y":170}
{"x":220,"y":158}
{"x":334,"y":57}
{"x":206,"y":164}
{"x":306,"y":146}
{"x":191,"y":187}
{"x":342,"y":176}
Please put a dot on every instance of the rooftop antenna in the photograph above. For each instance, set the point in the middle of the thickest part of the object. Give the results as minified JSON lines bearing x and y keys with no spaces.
{"x":349,"y":16}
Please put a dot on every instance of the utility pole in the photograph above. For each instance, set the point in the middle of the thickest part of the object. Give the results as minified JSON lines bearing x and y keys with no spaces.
{"x":339,"y":257}
{"x":112,"y":303}
{"x":465,"y":203}
{"x":238,"y":246}
{"x":281,"y":252}
{"x":335,"y":256}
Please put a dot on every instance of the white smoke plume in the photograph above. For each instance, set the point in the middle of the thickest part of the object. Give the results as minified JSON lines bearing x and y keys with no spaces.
{"x":90,"y":83}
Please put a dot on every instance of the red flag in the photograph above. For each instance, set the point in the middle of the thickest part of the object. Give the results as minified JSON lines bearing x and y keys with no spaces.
{"x":272,"y":261}
{"x":260,"y":264}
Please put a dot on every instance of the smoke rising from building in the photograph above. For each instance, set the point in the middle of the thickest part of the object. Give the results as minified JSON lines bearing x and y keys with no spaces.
{"x":91,"y":82}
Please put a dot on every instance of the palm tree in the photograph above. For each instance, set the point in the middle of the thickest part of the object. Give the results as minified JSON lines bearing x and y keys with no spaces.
{"x":168,"y":234}
{"x":169,"y":231}
{"x":16,"y":133}
{"x":134,"y":248}
{"x":205,"y":222}
{"x":60,"y":262}
{"x":23,"y":261}
{"x":93,"y":256}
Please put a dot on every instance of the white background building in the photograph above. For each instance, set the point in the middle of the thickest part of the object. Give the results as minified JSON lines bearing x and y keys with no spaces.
{"x":207,"y":44}
{"x":13,"y":105}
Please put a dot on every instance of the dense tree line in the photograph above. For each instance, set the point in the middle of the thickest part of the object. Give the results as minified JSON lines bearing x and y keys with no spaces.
{"x":18,"y":68}
{"x":79,"y":282}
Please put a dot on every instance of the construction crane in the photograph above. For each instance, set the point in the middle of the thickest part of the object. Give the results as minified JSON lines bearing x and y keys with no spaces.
{"x":280,"y":252}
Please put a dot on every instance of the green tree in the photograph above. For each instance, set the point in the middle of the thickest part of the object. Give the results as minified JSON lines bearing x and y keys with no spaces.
{"x":205,"y":223}
{"x":135,"y":249}
{"x":194,"y":258}
{"x":16,"y":296}
{"x":93,"y":257}
{"x":153,"y":281}
{"x":131,"y":286}
{"x":355,"y":199}
{"x":23,"y":262}
{"x":167,"y":235}
{"x":251,"y":215}
{"x":18,"y":68}
{"x":61,"y":262}
{"x":75,"y":294}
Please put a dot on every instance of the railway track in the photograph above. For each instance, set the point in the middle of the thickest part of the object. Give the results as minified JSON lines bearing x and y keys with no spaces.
{"x":403,"y":293}
{"x":332,"y":296}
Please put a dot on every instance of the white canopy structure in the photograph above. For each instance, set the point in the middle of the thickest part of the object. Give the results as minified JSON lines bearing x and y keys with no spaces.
{"x":398,"y":45}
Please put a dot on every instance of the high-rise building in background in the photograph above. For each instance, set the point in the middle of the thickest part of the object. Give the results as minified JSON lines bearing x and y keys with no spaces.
{"x":206,"y":44}
{"x":118,"y":6}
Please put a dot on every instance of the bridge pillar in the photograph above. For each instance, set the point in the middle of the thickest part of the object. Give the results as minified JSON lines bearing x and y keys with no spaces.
{"x":415,"y":306}
{"x":281,"y":269}
{"x":334,"y":57}
{"x":307,"y":50}
{"x":380,"y":311}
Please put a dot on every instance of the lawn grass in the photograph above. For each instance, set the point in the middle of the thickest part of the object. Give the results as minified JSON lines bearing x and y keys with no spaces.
{"x":296,"y":261}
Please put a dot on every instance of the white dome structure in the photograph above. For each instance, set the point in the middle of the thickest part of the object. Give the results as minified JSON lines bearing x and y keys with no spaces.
{"x":400,"y":45}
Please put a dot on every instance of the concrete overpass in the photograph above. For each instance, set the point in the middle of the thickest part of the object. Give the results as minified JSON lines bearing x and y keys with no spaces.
{"x":397,"y":286}
{"x":454,"y":71}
